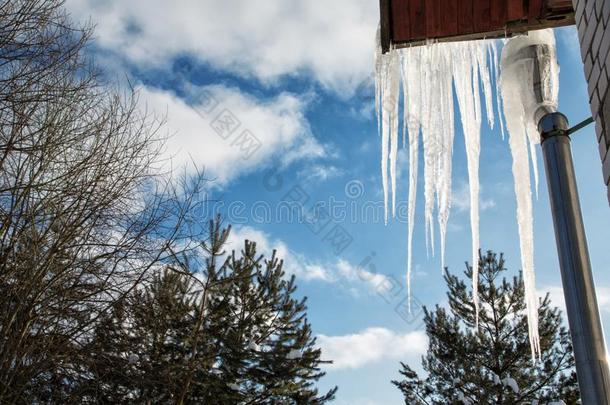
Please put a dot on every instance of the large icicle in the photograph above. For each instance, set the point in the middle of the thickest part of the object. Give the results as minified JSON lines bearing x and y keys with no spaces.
{"x":465,"y":77}
{"x":411,"y":67}
{"x":520,"y":104}
{"x":446,"y":132}
{"x":429,"y":142}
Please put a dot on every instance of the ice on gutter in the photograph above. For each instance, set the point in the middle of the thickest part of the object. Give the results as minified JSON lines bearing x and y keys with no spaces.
{"x":429,"y":75}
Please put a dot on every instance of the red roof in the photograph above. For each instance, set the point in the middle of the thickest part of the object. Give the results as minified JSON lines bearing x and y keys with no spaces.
{"x":405,"y":22}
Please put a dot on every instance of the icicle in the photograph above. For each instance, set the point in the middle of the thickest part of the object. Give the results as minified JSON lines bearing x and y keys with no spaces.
{"x":496,"y":63}
{"x":429,"y":145}
{"x":384,"y":170}
{"x":387,"y":89}
{"x":467,"y":91}
{"x":518,"y":144}
{"x":534,"y":161}
{"x":520,"y":105}
{"x":394,"y":145}
{"x":391,"y":94}
{"x":411,"y":68}
{"x":379,"y":70}
{"x":484,"y":71}
{"x":446,"y":132}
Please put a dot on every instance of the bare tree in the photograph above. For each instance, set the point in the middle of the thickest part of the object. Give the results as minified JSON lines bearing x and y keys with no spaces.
{"x":83,"y":217}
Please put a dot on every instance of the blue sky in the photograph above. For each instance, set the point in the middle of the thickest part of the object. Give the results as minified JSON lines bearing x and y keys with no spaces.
{"x":292,"y":84}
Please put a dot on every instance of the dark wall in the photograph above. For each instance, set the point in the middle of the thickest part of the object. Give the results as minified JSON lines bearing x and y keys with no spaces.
{"x":592,"y":19}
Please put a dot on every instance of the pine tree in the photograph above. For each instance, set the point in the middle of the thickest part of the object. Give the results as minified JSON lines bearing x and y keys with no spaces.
{"x":491,"y":364}
{"x":222,"y":329}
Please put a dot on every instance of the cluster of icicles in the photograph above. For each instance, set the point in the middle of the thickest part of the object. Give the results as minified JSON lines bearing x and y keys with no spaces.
{"x":426,"y":78}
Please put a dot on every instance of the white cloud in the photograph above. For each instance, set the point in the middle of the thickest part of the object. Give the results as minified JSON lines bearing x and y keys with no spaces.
{"x":353,"y":273}
{"x":267,"y":39}
{"x":371,"y":345}
{"x":293,"y":262}
{"x":558,"y":300}
{"x":276,"y":129}
{"x":353,"y":279}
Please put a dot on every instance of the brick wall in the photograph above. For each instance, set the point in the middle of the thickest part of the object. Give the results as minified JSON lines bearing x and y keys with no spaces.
{"x":592,"y":20}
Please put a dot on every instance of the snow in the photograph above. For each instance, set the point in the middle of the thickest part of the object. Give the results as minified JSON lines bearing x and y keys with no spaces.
{"x":557,"y":403}
{"x":496,"y":378}
{"x":254,"y":346}
{"x":294,"y":354}
{"x":510,"y":382}
{"x":463,"y":399}
{"x":516,"y":85}
{"x":429,"y":76}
